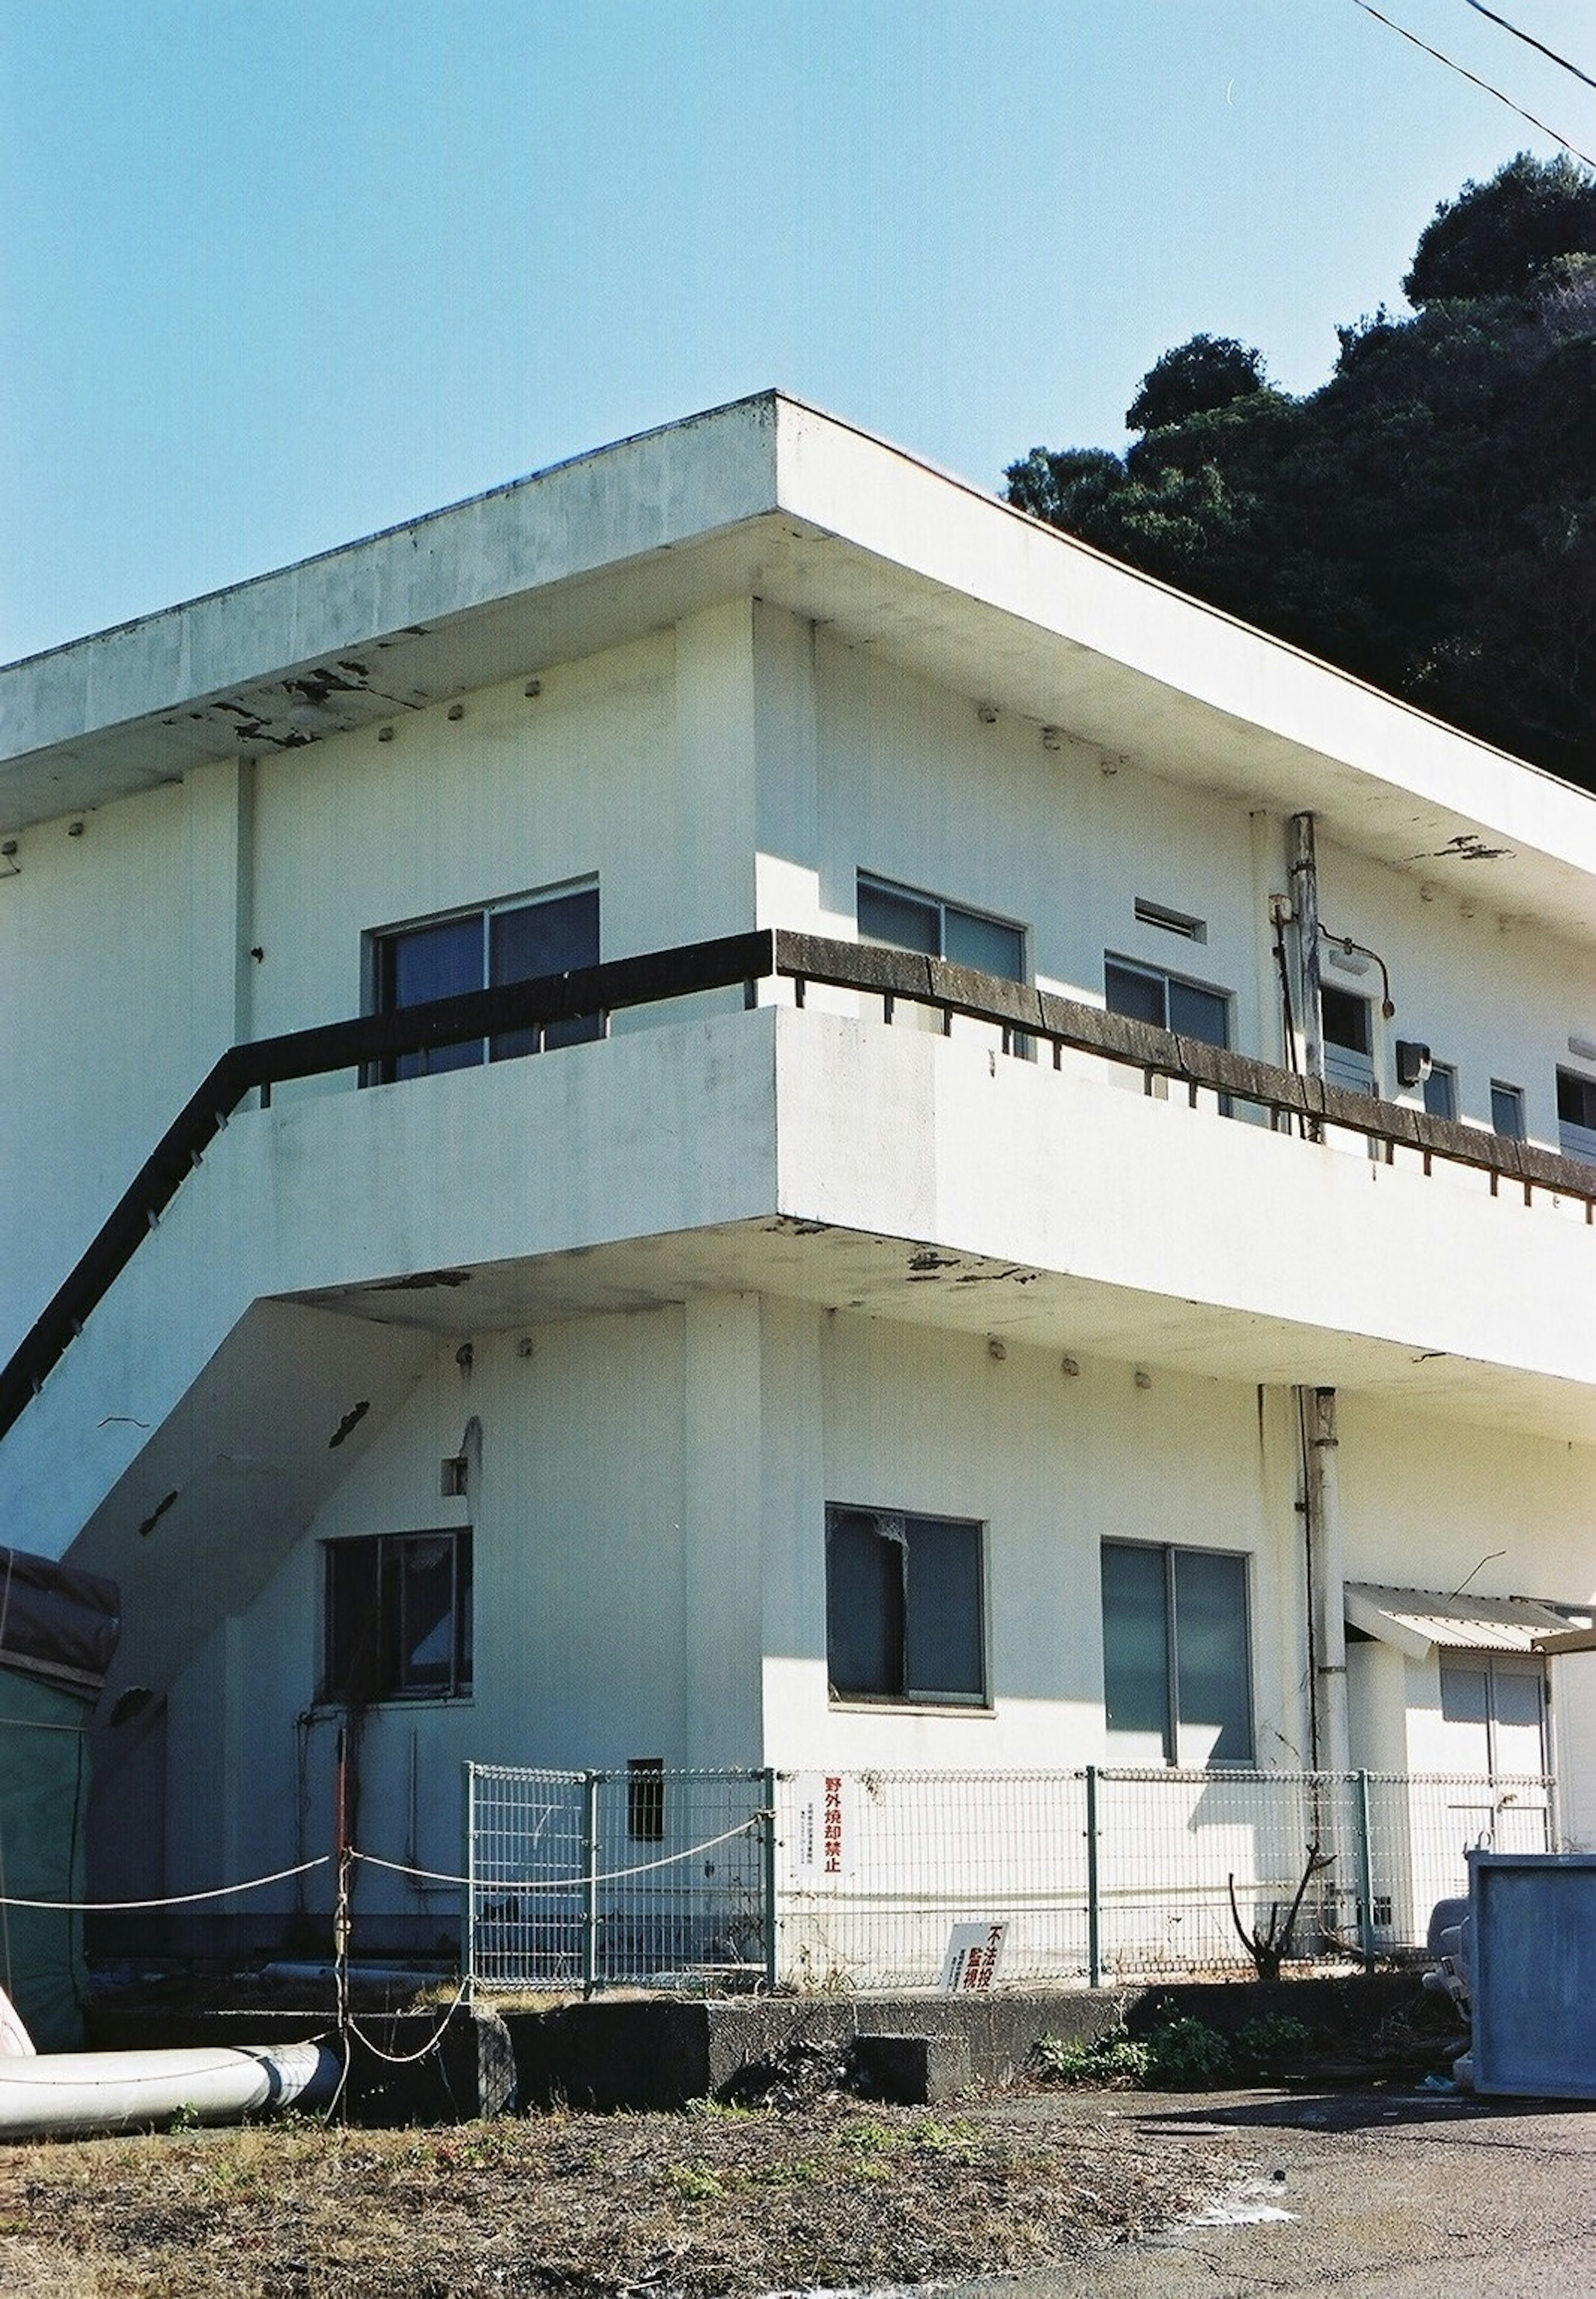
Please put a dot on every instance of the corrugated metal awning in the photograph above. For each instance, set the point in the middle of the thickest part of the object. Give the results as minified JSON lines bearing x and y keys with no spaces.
{"x":1417,"y":1620}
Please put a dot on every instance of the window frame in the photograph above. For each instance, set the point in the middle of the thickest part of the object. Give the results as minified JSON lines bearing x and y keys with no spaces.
{"x":913,"y":1696}
{"x":872,"y":881}
{"x":1504,"y":1096}
{"x":1148,"y":971}
{"x":1523,"y":1668}
{"x":1576,"y":1136}
{"x":1174,"y":1721}
{"x":389,"y":1687}
{"x":1443,"y":1074}
{"x":378,"y":940}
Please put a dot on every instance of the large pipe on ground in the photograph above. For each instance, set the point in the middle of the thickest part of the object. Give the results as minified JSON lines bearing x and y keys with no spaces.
{"x":70,"y":2094}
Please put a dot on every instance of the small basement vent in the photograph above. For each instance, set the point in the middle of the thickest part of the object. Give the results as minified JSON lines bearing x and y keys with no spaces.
{"x":1175,"y":922}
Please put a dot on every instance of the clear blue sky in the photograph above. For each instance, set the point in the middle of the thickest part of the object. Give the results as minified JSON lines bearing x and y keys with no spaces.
{"x":276,"y":274}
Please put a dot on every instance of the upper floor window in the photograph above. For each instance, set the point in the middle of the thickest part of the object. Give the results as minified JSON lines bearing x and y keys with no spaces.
{"x":900,"y":918}
{"x":1148,"y":994}
{"x":514,"y":940}
{"x":1576,"y":1115}
{"x":1441,"y":1091}
{"x":1347,"y":1023}
{"x":1506,"y":1110}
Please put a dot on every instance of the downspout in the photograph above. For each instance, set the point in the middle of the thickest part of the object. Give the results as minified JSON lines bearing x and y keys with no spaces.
{"x":1331,"y":1739}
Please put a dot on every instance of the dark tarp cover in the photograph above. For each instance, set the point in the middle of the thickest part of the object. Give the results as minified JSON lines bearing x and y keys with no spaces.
{"x":58,"y":1631}
{"x":56,"y":1624}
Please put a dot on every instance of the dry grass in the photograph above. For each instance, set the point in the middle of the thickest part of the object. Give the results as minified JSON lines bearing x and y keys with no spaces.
{"x":715,"y":2205}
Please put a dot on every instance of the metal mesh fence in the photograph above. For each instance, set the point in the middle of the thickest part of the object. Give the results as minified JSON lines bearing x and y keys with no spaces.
{"x":596,"y":1880}
{"x":859,"y":1878}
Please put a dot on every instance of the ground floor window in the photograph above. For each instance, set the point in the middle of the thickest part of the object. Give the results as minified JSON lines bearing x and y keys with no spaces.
{"x":519,"y":940}
{"x":904,"y":1607}
{"x":1493,"y":1712}
{"x":1178,"y":1680}
{"x":398,"y":1617}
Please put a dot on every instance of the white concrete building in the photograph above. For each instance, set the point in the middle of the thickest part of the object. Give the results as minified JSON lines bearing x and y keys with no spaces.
{"x":781,"y":1375}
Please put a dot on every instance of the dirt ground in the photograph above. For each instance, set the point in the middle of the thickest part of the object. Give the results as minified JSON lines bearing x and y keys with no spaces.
{"x":717,"y":2205}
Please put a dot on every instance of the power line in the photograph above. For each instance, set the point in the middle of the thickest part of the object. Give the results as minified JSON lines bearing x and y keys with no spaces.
{"x":1452,"y":64}
{"x":1530,"y":40}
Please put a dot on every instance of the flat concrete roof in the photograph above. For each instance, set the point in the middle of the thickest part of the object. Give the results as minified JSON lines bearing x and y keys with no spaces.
{"x":773,"y":497}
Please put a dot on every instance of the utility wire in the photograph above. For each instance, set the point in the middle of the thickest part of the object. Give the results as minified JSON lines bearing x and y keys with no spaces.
{"x":1452,"y":64}
{"x":1530,"y":40}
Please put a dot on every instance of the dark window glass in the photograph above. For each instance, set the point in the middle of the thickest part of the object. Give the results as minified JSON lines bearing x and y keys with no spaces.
{"x":1345,"y":1019}
{"x":398,"y":1616}
{"x":1135,"y":1642}
{"x":1127,"y":990}
{"x":1517,"y":1698}
{"x":1465,"y":1694}
{"x":558,"y":936}
{"x":901,"y":921}
{"x":943,"y":1656}
{"x":903,"y":1607}
{"x":1506,"y":1110}
{"x":1441,"y":1091}
{"x":1198,"y":1013}
{"x":984,"y":943}
{"x":1213,"y":1690}
{"x":1576,"y":1098}
{"x":428,"y":962}
{"x":1177,"y":1649}
{"x":645,"y":1798}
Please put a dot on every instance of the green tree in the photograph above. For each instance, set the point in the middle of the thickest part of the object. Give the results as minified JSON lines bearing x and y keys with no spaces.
{"x":1427,"y":517}
{"x":1207,"y":372}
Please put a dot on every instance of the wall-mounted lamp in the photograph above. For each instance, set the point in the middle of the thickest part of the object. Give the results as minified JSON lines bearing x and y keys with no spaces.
{"x":1413,"y":1062}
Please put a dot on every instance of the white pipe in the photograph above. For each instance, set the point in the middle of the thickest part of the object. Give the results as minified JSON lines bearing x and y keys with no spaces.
{"x":62,"y":2093}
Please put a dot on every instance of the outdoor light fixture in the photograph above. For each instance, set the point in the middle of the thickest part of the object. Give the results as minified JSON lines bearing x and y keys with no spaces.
{"x":1413,"y":1062}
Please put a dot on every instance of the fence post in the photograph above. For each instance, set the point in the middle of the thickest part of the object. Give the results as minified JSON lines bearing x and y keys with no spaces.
{"x":1366,"y":1874}
{"x":590,"y":1872}
{"x":468,"y":1923}
{"x":1094,"y":1895}
{"x":769,"y":1778}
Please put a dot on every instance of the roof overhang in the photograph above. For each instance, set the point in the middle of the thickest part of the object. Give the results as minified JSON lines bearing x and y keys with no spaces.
{"x":770,"y":497}
{"x":1419,"y":1622}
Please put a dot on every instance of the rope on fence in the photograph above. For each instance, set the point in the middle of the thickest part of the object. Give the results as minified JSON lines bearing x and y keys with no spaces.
{"x":569,"y":1883}
{"x":173,"y":1900}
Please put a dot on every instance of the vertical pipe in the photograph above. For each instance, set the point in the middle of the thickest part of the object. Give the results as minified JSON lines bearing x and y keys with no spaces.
{"x":468,"y":1918}
{"x":1305,"y":910}
{"x":1331,"y":1745}
{"x":590,"y":1852}
{"x":1093,"y":1892}
{"x":1366,"y":1873}
{"x":769,"y":1778}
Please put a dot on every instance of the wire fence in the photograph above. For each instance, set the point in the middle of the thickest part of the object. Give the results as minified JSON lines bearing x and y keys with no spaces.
{"x":876,"y":1879}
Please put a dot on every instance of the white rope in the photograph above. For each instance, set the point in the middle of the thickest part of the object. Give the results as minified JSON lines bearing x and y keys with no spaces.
{"x":176,"y":1900}
{"x":566,"y":1883}
{"x":406,"y":2059}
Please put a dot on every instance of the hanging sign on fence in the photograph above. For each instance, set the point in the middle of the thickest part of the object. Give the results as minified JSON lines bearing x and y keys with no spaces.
{"x":822,"y":1835}
{"x":972,"y":1957}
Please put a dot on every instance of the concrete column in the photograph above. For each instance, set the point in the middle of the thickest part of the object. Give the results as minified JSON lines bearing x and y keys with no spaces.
{"x":787,"y":863}
{"x":708,"y":888}
{"x":721,"y":1560}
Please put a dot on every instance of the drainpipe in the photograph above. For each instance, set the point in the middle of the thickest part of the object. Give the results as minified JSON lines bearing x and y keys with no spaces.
{"x":1305,"y":910}
{"x":1326,"y":1582}
{"x":1330,"y":1740}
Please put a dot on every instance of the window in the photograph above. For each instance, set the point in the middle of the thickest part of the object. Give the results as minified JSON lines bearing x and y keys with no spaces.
{"x":398,"y":1617}
{"x":1441,"y":1091}
{"x":901,"y":919}
{"x":1493,"y":1712}
{"x":1346,"y":1022}
{"x":1576,"y":1115}
{"x":1177,"y":1684}
{"x":1147,"y":994}
{"x":904,"y":1614}
{"x":645,"y":1799}
{"x":1506,"y":1110}
{"x":507,"y":941}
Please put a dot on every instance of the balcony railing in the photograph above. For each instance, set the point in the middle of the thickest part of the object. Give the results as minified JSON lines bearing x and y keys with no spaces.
{"x":1028,"y":1019}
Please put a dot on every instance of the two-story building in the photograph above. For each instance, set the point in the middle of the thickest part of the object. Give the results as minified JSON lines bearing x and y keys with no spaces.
{"x":1095,"y":1265}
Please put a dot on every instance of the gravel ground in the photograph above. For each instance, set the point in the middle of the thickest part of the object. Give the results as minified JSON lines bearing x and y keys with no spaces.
{"x":721,"y":2205}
